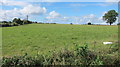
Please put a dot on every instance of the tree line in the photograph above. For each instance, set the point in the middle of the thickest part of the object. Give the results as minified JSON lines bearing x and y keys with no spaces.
{"x":15,"y":22}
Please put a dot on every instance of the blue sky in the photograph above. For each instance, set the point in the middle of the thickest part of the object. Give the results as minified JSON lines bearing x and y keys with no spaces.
{"x":68,"y":0}
{"x":80,"y":8}
{"x":58,"y":12}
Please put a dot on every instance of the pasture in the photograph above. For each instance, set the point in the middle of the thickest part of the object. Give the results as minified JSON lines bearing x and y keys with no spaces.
{"x":45,"y":38}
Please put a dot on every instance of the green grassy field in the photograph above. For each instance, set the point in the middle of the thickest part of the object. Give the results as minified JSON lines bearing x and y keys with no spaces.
{"x":45,"y":38}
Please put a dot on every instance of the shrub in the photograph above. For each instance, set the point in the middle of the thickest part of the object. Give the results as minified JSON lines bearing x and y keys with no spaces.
{"x":18,"y":21}
{"x":110,"y":59}
{"x":89,"y":23}
{"x":15,"y":24}
{"x":80,"y":56}
{"x":23,"y":61}
{"x":85,"y":54}
{"x":97,"y":61}
{"x":63,"y":57}
{"x":113,"y":48}
{"x":53,"y":23}
{"x":71,"y":24}
{"x":118,"y":24}
{"x":6,"y":25}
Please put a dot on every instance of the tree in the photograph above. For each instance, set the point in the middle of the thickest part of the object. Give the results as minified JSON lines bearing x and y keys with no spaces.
{"x":14,"y":20}
{"x":25,"y":22}
{"x":71,"y":23}
{"x":89,"y":23}
{"x":110,"y":17}
{"x":118,"y":24}
{"x":18,"y":21}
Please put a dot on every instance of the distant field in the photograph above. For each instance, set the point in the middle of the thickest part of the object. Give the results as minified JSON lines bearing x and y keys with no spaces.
{"x":44,"y":38}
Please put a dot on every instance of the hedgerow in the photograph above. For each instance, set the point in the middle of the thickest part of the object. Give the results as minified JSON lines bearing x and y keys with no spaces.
{"x":81,"y":55}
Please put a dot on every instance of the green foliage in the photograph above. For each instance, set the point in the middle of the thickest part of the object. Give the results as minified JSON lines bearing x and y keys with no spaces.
{"x":110,"y":59}
{"x":97,"y":61}
{"x":85,"y":54}
{"x":15,"y":24}
{"x":89,"y":23}
{"x":6,"y":24}
{"x":18,"y":21}
{"x":27,"y":22}
{"x":118,"y":24}
{"x":110,"y":16}
{"x":113,"y":48}
{"x":81,"y":56}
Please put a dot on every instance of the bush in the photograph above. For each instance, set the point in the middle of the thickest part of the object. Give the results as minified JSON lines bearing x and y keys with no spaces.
{"x":18,"y":21}
{"x":89,"y":23}
{"x":53,"y":23}
{"x":23,"y":61}
{"x":118,"y":24}
{"x":97,"y":61}
{"x":113,"y":48}
{"x":80,"y":56}
{"x":85,"y":54}
{"x":71,"y":24}
{"x":6,"y":24}
{"x":15,"y":24}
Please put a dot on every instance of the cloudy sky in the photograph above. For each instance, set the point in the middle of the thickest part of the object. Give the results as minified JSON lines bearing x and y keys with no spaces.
{"x":58,"y":11}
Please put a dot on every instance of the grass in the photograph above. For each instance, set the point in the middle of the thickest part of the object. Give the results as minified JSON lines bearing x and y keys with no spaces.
{"x":45,"y":38}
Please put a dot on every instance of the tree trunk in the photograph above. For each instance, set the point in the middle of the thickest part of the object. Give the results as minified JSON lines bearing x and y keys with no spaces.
{"x":110,"y":23}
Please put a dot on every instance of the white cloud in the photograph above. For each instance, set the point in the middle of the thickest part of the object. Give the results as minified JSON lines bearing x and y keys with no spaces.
{"x":21,"y":13}
{"x":88,"y":21}
{"x":89,"y":16}
{"x":26,"y":8}
{"x":49,"y":0}
{"x":57,"y":18}
{"x":14,"y":3}
{"x":18,"y":2}
{"x":76,"y":19}
{"x":10,"y":14}
{"x":95,"y":4}
{"x":30,"y":9}
{"x":112,"y":0}
{"x":26,"y":2}
{"x":85,"y":19}
{"x":101,"y":17}
{"x":70,"y":0}
{"x":78,"y":4}
{"x":53,"y":15}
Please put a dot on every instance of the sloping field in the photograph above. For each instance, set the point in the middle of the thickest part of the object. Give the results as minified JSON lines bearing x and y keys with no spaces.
{"x":45,"y":38}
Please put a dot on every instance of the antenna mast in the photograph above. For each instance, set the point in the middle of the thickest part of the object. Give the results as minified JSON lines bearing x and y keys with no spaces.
{"x":27,"y":17}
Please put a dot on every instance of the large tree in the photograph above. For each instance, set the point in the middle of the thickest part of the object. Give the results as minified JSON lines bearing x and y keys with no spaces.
{"x":18,"y":21}
{"x":110,"y":17}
